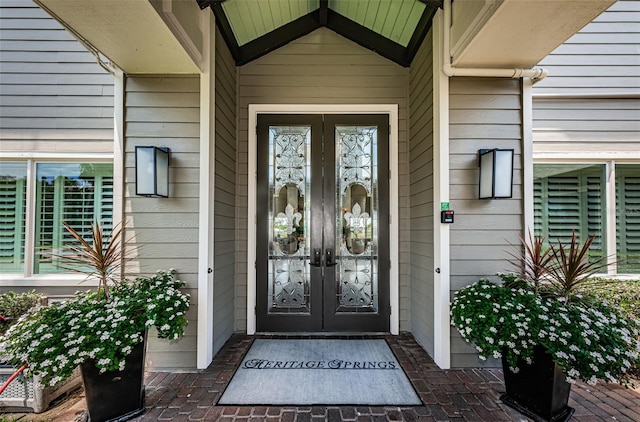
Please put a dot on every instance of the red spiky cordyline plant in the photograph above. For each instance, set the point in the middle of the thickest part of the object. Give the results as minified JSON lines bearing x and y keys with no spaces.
{"x":102,"y":257}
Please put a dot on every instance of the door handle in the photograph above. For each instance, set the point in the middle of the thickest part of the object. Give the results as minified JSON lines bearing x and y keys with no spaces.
{"x":317,"y":258}
{"x":330,"y":259}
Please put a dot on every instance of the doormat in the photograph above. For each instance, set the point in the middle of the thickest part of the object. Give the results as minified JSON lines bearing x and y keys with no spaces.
{"x":319,"y":372}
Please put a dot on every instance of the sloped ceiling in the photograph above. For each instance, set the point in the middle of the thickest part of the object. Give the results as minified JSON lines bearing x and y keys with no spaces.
{"x":165,"y":36}
{"x":253,"y":28}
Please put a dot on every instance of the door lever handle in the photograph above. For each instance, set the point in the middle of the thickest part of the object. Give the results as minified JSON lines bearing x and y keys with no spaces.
{"x":330,"y":259}
{"x":317,"y":258}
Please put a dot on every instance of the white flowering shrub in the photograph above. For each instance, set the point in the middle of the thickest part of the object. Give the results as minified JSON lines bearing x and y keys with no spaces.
{"x":55,"y":339}
{"x":589,"y":339}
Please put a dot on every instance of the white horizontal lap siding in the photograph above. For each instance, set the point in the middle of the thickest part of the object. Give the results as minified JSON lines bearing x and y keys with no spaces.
{"x":421,"y":195}
{"x":225,"y":196}
{"x":322,"y":68}
{"x":484,"y":113}
{"x":164,"y":111}
{"x":54,"y":97}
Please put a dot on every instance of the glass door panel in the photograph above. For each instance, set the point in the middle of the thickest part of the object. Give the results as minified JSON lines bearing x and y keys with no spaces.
{"x":289,"y":193}
{"x":357,"y":221}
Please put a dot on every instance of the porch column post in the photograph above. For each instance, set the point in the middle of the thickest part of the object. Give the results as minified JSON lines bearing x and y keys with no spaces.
{"x":441,"y":264}
{"x":207,"y":178}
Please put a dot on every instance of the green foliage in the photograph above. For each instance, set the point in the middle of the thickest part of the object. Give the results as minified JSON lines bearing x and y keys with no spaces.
{"x":623,"y":294}
{"x":102,"y":257}
{"x":589,"y":340}
{"x":572,"y":266}
{"x":551,"y":302}
{"x":533,"y":263}
{"x":55,"y":339}
{"x":13,"y":305}
{"x":102,"y":325}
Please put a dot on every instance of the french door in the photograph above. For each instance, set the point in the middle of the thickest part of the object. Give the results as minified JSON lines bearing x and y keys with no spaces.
{"x":322,"y":252}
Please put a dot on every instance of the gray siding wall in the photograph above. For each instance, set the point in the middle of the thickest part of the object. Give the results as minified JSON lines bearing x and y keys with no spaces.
{"x":322,"y":68}
{"x":590,"y":101}
{"x":421,"y":194}
{"x":570,"y":125}
{"x":225,"y":195}
{"x":54,"y":97}
{"x":164,"y":111}
{"x":484,"y":113}
{"x":603,"y":57}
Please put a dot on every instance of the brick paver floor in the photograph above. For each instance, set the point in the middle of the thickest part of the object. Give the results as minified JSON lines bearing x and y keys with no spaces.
{"x":447,"y":395}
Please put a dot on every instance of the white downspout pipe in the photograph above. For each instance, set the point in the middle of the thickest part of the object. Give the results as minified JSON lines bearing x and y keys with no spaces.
{"x":536,"y":74}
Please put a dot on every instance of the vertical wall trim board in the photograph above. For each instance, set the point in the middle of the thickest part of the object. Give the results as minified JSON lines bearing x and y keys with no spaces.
{"x":610,"y":203}
{"x":394,"y":222}
{"x":251,"y":217}
{"x":441,"y":294}
{"x":527,"y":155}
{"x":206,"y":189}
{"x":119,"y":80}
{"x":29,"y":230}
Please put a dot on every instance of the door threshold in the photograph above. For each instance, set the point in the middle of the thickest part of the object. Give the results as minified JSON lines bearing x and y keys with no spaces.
{"x":321,"y":334}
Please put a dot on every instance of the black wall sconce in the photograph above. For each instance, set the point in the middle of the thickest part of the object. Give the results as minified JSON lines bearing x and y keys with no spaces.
{"x":152,"y":171}
{"x":496,"y":173}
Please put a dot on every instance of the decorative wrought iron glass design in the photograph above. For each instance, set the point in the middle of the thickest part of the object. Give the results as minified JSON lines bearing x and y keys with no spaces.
{"x":289,"y":217}
{"x":356,"y":223}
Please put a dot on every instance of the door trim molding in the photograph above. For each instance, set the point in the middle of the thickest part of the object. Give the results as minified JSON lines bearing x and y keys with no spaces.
{"x":392,"y":111}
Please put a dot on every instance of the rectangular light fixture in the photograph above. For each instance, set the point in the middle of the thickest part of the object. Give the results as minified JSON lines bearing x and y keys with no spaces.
{"x":496,"y":173}
{"x":152,"y":171}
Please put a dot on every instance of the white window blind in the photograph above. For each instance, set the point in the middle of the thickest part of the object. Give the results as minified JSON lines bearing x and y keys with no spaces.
{"x":628,"y":218}
{"x":13,"y":195}
{"x":78,"y":194}
{"x":568,"y":198}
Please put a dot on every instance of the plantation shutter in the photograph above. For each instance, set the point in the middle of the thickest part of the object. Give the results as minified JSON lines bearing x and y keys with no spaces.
{"x":13,"y":198}
{"x":571,"y":201}
{"x":595,"y":214}
{"x":79,"y":201}
{"x":628,"y":219}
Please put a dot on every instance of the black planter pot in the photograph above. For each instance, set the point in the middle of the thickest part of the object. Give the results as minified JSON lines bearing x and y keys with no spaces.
{"x":540,"y":390}
{"x":117,"y":395}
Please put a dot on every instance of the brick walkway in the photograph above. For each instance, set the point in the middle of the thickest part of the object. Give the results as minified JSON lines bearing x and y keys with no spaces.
{"x":453,"y":395}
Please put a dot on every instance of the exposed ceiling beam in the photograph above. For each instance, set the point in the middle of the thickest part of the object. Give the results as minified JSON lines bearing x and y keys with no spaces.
{"x":277,"y":38}
{"x":206,"y":3}
{"x":420,"y":33}
{"x":366,"y":38}
{"x":323,"y":16}
{"x":323,"y":11}
{"x":225,"y":28}
{"x":436,"y":4}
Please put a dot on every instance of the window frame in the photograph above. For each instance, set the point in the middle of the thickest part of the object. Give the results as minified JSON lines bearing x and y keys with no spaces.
{"x":610,"y":233}
{"x":27,"y":276}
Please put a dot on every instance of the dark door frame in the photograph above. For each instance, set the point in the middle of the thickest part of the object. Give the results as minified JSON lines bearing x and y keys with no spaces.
{"x":392,"y":110}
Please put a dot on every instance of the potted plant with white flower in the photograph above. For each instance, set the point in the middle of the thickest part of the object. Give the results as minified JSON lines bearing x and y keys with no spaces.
{"x":18,"y":392}
{"x":546,"y":332}
{"x":103,"y":330}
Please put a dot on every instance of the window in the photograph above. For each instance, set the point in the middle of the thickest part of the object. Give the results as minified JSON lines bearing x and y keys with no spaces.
{"x":628,"y":217}
{"x":570,"y":197}
{"x":77,"y":193}
{"x":13,"y":198}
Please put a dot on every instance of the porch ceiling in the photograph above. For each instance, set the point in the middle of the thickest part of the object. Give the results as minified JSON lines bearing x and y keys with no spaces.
{"x":131,"y":33}
{"x":166,"y":36}
{"x":394,"y":29}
